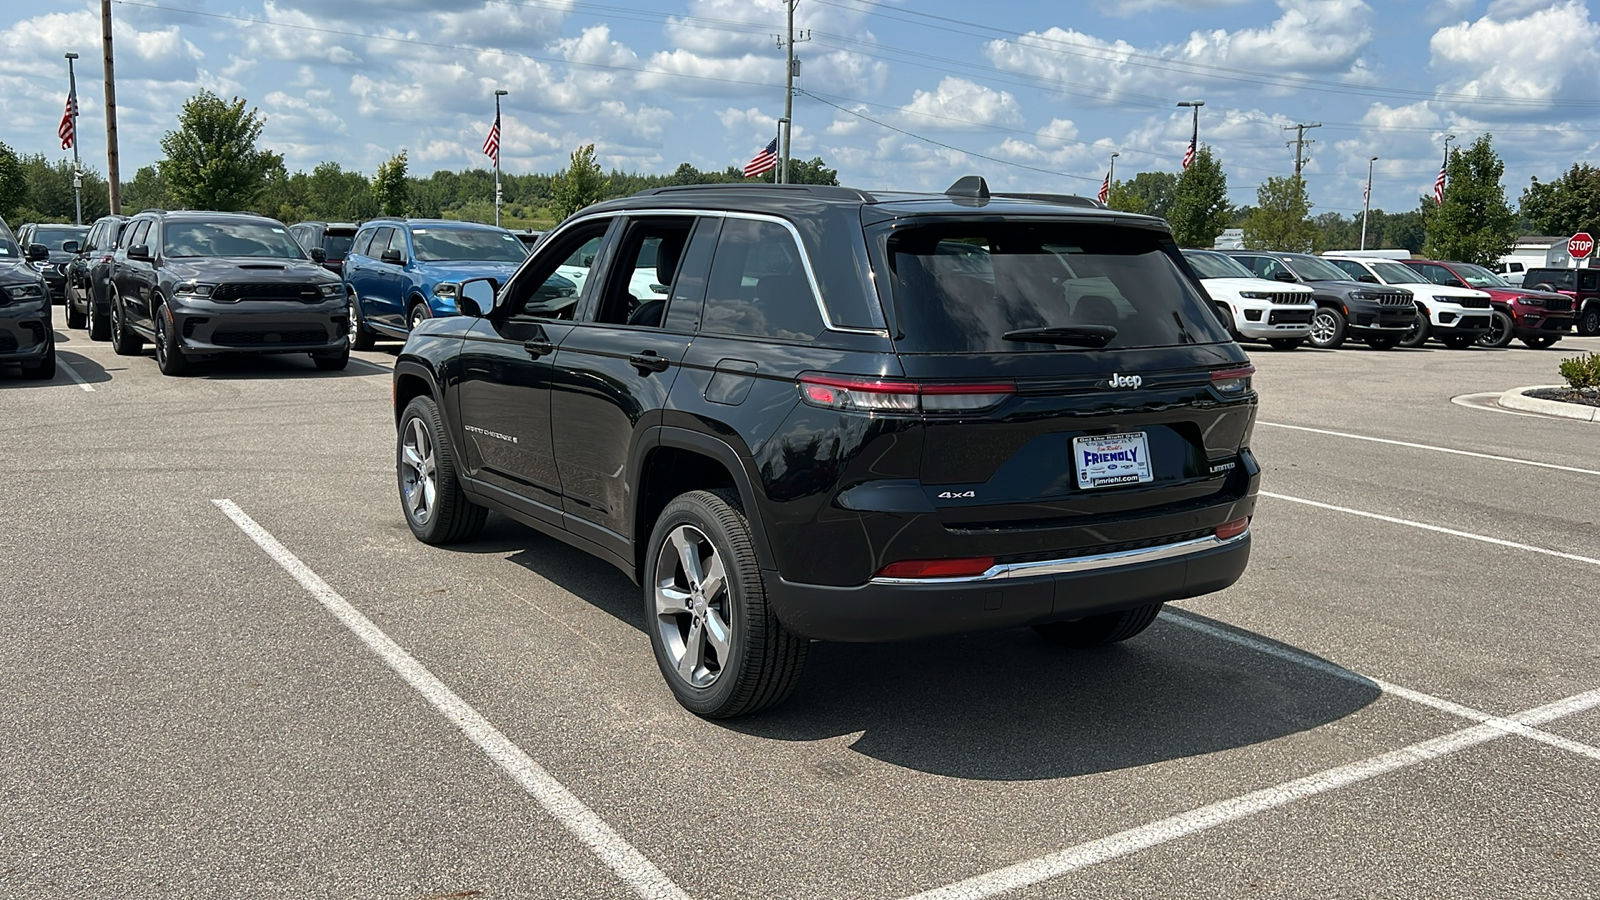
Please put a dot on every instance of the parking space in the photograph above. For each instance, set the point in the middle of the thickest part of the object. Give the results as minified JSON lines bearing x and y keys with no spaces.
{"x":1351,"y":719}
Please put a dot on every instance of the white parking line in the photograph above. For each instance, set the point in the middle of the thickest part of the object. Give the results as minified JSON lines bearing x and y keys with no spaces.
{"x":73,"y":374}
{"x":1143,"y":837}
{"x":1301,"y":658}
{"x":1499,"y":542}
{"x":1376,"y":440}
{"x":640,"y":874}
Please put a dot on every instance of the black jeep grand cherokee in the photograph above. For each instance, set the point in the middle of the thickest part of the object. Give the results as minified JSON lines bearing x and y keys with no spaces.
{"x":845,"y":416}
{"x":205,"y":284}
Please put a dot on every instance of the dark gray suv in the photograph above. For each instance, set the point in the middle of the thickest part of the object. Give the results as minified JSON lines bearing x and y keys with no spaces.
{"x":1378,"y":314}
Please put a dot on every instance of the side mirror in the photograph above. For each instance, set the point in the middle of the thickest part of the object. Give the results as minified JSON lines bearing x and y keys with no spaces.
{"x":1285,"y":275}
{"x":319,"y":255}
{"x":38,"y":253}
{"x":70,"y":247}
{"x":139,"y":252}
{"x":393,"y":258}
{"x":475,"y":296}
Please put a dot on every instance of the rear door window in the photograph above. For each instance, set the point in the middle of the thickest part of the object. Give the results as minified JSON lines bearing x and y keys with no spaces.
{"x":963,"y":287}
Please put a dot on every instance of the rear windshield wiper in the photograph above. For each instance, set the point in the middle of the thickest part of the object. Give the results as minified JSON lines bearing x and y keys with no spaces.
{"x":1071,"y":335}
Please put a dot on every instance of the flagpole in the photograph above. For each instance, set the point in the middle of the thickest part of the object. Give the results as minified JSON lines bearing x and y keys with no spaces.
{"x":77,"y":163}
{"x":497,"y":95}
{"x":782,"y":124}
{"x":1366,"y":203}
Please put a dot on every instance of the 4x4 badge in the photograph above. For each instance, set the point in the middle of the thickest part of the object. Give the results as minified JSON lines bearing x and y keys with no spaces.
{"x":1125,"y":381}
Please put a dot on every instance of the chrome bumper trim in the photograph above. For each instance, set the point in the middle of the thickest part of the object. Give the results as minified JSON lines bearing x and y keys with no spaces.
{"x":1078,"y":564}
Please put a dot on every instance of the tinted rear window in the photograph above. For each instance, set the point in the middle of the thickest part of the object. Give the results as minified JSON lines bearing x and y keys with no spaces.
{"x":1561,"y":279}
{"x":961,"y":287}
{"x":336,"y":246}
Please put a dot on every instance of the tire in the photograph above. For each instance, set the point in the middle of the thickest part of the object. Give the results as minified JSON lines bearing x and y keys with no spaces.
{"x":1541,"y":341}
{"x":99,"y":328}
{"x":1327,"y":328}
{"x":123,"y":341}
{"x":75,"y":319}
{"x":759,"y":661}
{"x":1421,"y":330}
{"x":418,"y":313}
{"x":431,"y":497}
{"x":44,"y":369}
{"x":1284,"y":343}
{"x":332,"y":362}
{"x":1588,"y":323}
{"x":1500,"y":330}
{"x":1228,"y":322}
{"x":169,"y":349}
{"x":1459,"y":341}
{"x":360,"y":337}
{"x":1098,"y":631}
{"x":1383,"y":343}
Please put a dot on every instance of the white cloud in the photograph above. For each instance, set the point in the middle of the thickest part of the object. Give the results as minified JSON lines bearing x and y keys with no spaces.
{"x":1546,"y":53}
{"x":960,"y":105}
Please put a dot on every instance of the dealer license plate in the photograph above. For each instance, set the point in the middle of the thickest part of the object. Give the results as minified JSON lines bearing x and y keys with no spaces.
{"x":1112,"y":459}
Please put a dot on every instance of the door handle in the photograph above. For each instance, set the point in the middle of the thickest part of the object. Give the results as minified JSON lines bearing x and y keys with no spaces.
{"x":647,"y":361}
{"x":538,"y":348}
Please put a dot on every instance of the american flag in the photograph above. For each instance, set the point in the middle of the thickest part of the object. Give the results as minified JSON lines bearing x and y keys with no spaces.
{"x":1188,"y":154}
{"x":1438,"y":183}
{"x":67,"y":132}
{"x":763,"y":162}
{"x":1105,"y":189}
{"x":491,"y":144}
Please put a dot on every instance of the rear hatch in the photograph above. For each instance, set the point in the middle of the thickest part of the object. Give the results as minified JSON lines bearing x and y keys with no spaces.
{"x":1091,"y":386}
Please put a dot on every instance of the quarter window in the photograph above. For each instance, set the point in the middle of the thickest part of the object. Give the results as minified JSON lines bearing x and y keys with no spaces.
{"x":758,"y":285}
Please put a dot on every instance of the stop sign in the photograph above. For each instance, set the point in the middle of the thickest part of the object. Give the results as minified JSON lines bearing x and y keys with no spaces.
{"x":1580,"y":245}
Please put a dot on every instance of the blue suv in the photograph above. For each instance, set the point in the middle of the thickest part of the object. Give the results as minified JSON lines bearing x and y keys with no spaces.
{"x":401,"y":271}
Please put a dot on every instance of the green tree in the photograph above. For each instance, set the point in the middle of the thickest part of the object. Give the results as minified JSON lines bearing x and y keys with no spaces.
{"x":1148,"y":193}
{"x":1568,"y":205}
{"x":147,"y":190}
{"x":582,"y":184}
{"x":390,"y":187}
{"x":1474,"y":224}
{"x":212,"y":161}
{"x":812,"y":172}
{"x":1199,"y":202}
{"x":13,"y":182}
{"x":1280,"y":220}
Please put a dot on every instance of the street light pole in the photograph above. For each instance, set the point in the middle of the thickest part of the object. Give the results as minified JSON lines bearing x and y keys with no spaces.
{"x":497,"y":95}
{"x":1366,"y":203}
{"x":77,"y":163}
{"x":1111,"y":172}
{"x":1194,"y":138}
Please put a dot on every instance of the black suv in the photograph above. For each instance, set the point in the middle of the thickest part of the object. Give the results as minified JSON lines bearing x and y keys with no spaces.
{"x":844,"y":416}
{"x":62,"y":243}
{"x":1378,"y":314}
{"x":89,"y":277}
{"x":333,"y":237}
{"x":202,"y":284}
{"x":26,"y":334}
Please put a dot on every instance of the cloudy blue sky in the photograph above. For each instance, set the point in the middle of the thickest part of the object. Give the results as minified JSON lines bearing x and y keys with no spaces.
{"x":899,"y":94}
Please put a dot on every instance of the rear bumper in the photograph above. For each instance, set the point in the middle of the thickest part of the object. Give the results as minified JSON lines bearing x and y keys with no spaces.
{"x":1008,"y":596}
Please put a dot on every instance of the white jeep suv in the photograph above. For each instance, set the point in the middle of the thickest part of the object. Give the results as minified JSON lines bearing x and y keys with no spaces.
{"x":1456,"y":316}
{"x":1255,"y":308}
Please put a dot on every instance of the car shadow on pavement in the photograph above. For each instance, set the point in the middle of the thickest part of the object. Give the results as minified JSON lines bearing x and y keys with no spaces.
{"x":87,"y":369}
{"x":248,"y":367}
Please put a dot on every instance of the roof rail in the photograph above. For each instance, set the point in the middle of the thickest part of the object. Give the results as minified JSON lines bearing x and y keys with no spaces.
{"x":821,"y":191}
{"x":150,"y":210}
{"x":1063,"y":199}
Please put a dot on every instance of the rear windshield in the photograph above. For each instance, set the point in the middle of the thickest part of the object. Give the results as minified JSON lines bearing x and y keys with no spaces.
{"x":1561,"y":279}
{"x":441,"y":244}
{"x":337,"y":246}
{"x":961,"y":287}
{"x":55,"y":237}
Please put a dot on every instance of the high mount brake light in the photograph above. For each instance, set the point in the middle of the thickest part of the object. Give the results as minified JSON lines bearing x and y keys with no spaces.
{"x":1233,"y":381}
{"x":860,"y":394}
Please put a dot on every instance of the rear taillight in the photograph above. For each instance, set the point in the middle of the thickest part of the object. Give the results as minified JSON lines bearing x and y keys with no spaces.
{"x":1233,"y":381}
{"x":938,"y":568}
{"x":844,"y":392}
{"x":1230,"y":530}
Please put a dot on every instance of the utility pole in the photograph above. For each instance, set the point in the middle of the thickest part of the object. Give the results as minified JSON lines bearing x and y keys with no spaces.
{"x":77,"y":162}
{"x":1300,"y":141}
{"x":1366,"y":203}
{"x":113,"y":172}
{"x":499,"y":139}
{"x":791,"y":67}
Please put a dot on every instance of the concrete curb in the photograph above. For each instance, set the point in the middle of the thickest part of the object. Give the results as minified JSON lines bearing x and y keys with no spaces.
{"x":1518,"y":399}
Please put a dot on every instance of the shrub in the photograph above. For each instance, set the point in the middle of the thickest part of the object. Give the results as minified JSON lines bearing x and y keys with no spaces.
{"x":1582,"y":371}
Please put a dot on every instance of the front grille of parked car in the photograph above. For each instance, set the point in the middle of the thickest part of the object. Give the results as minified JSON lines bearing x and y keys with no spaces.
{"x":1475,"y":302}
{"x":1289,"y":317}
{"x":1294,"y":297}
{"x":1392,"y":299}
{"x":1562,"y":305}
{"x":265,"y":338}
{"x":300,"y":293}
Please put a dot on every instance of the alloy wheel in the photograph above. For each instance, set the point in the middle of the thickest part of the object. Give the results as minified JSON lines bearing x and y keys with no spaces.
{"x":1322,"y":327}
{"x":1497,"y":331}
{"x":692,"y":606}
{"x":161,"y":339}
{"x":353,"y":329}
{"x":419,"y":472}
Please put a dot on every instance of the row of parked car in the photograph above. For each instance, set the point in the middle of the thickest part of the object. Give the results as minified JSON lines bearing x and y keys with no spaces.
{"x":1286,"y":299}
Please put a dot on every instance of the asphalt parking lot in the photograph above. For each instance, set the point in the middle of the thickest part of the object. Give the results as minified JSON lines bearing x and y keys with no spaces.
{"x":229,"y":670}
